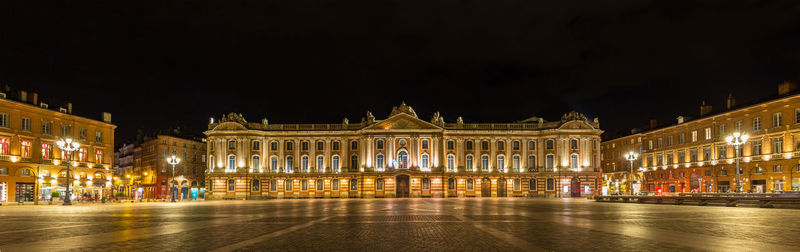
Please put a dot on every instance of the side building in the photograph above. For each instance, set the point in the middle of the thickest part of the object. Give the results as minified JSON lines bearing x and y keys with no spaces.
{"x":31,"y":164}
{"x":147,"y":174}
{"x":694,"y":156}
{"x":403,"y":156}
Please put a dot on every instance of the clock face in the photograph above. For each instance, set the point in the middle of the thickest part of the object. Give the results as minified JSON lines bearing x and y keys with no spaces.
{"x":402,"y":142}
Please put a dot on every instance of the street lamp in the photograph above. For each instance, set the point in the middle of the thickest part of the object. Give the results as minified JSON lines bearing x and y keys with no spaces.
{"x":173,"y":161}
{"x":69,"y":146}
{"x":631,"y":156}
{"x":737,"y":139}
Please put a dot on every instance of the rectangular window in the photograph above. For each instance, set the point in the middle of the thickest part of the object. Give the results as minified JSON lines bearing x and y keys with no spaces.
{"x":722,"y":152}
{"x":287,"y":185}
{"x":82,"y":153}
{"x":660,"y":143}
{"x":98,"y":136}
{"x":776,"y":120}
{"x":550,"y":184}
{"x":335,"y":184}
{"x":681,"y":157}
{"x":66,"y":130}
{"x":256,"y":185}
{"x":46,"y":128}
{"x":694,"y":136}
{"x":353,"y":184}
{"x":4,"y":120}
{"x":708,"y":133}
{"x":98,"y":157}
{"x":426,"y":184}
{"x":273,"y":146}
{"x":669,"y":140}
{"x":797,"y":115}
{"x":25,"y":148}
{"x":756,"y":147}
{"x":693,"y":155}
{"x":670,"y":158}
{"x":706,"y":153}
{"x":320,"y":185}
{"x":47,"y":151}
{"x":304,"y":146}
{"x":485,"y":145}
{"x":722,"y":131}
{"x":777,"y":168}
{"x":26,"y":124}
{"x":256,"y":145}
{"x":320,"y":145}
{"x":231,"y":185}
{"x":681,"y":139}
{"x":335,"y":145}
{"x":83,"y":133}
{"x":304,"y":185}
{"x":273,"y":185}
{"x":777,"y":145}
{"x":450,"y":145}
{"x":517,"y":185}
{"x":757,"y":123}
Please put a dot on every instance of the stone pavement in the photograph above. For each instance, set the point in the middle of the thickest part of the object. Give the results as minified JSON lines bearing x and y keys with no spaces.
{"x":397,"y":225}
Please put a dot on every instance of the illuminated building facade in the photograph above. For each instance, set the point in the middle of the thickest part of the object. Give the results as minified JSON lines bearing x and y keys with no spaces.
{"x":693,"y":155}
{"x":403,"y":156}
{"x":32,"y":166}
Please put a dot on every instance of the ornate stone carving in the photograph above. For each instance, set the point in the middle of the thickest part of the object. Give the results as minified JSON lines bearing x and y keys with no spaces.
{"x":370,"y":118}
{"x":437,"y":119}
{"x":403,"y":108}
{"x":234,"y":117}
{"x":573,"y":116}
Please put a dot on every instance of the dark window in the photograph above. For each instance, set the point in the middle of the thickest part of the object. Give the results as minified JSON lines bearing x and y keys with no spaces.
{"x":501,"y":145}
{"x":424,"y":144}
{"x":320,"y":185}
{"x":451,"y":184}
{"x":288,"y":185}
{"x":549,"y":144}
{"x":231,"y":185}
{"x":515,"y":145}
{"x":470,"y":184}
{"x":551,"y":184}
{"x":273,"y":185}
{"x":532,"y":184}
{"x":469,"y":145}
{"x":304,"y":146}
{"x":531,"y":145}
{"x":231,"y":145}
{"x":256,"y":185}
{"x":426,"y":184}
{"x":379,"y":184}
{"x":320,"y":145}
{"x":379,"y":144}
{"x":256,"y":145}
{"x":274,"y":145}
{"x":451,"y":145}
{"x":353,"y":184}
{"x":354,"y":162}
{"x":354,"y":145}
{"x":484,"y":145}
{"x":289,"y":145}
{"x":336,"y":145}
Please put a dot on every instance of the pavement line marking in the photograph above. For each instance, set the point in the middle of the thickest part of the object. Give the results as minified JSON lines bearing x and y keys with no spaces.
{"x":47,"y":228}
{"x":245,"y":243}
{"x":508,"y":238}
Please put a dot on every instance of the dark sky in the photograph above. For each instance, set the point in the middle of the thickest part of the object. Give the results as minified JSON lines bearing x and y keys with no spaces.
{"x":157,"y":65}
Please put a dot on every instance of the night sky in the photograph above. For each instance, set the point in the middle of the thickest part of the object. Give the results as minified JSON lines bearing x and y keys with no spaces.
{"x":159,"y":65}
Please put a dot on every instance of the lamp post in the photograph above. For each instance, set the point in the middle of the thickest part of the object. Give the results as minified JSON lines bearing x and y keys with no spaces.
{"x":173,"y":160}
{"x":737,"y":139}
{"x":631,"y":156}
{"x":69,"y":146}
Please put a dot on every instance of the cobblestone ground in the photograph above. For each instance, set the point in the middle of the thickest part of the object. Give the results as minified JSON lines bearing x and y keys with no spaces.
{"x":397,"y":225}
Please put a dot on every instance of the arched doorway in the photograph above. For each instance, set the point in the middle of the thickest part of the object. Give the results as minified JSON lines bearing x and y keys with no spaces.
{"x":501,"y":187}
{"x":402,"y":188}
{"x":486,"y":187}
{"x":575,"y":187}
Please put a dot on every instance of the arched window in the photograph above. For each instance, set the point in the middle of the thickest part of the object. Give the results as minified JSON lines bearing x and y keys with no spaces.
{"x":354,"y":162}
{"x":256,"y":145}
{"x":289,"y":145}
{"x":256,"y":163}
{"x":304,"y":163}
{"x":402,"y":159}
{"x":256,"y":185}
{"x":532,"y":184}
{"x":288,"y":185}
{"x":501,"y":163}
{"x":573,"y":161}
{"x":321,"y":163}
{"x":335,"y":185}
{"x":469,"y":145}
{"x":320,"y":185}
{"x":335,"y":145}
{"x":231,"y":185}
{"x":424,"y":162}
{"x":549,"y":162}
{"x":470,"y":184}
{"x":515,"y":145}
{"x":531,"y":161}
{"x":353,"y":184}
{"x":549,"y":144}
{"x":320,"y":145}
{"x":501,"y":145}
{"x":273,"y":164}
{"x":573,"y":144}
{"x":379,"y":144}
{"x":379,"y":184}
{"x":424,"y":144}
{"x":484,"y":145}
{"x":485,"y":163}
{"x":531,"y":145}
{"x":451,"y":184}
{"x":469,"y":163}
{"x":289,"y":164}
{"x":211,"y":163}
{"x":335,"y":163}
{"x":451,"y":162}
{"x":515,"y":163}
{"x":304,"y":145}
{"x":273,"y":145}
{"x":379,"y":161}
{"x":231,"y":162}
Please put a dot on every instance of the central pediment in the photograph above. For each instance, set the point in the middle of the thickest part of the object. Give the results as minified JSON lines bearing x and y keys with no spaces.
{"x":403,"y":121}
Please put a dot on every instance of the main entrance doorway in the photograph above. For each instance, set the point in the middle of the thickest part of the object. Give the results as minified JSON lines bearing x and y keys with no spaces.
{"x":402,"y":186}
{"x":501,"y":187}
{"x":486,"y":187}
{"x":576,"y":187}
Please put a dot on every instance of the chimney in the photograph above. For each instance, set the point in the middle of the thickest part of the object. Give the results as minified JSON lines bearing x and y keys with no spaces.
{"x":653,"y":123}
{"x":106,"y":117}
{"x":34,"y":98}
{"x":705,"y":109}
{"x":786,"y":87}
{"x":69,"y":107}
{"x":681,"y":119}
{"x":731,"y":101}
{"x":23,"y":96}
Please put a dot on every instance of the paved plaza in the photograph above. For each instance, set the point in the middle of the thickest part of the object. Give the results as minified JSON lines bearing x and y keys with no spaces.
{"x":397,"y":225}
